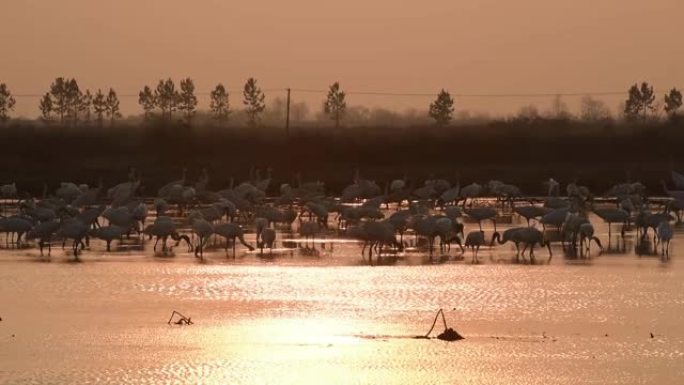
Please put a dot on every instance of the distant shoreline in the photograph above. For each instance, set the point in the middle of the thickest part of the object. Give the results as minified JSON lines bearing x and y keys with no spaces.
{"x":524,"y":153}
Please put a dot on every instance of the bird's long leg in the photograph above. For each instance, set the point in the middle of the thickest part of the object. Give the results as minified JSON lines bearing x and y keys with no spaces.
{"x":609,"y":232}
{"x":233,"y":247}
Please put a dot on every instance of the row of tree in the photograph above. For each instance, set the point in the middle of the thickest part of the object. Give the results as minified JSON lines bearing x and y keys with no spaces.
{"x":641,"y":102}
{"x":66,"y":103}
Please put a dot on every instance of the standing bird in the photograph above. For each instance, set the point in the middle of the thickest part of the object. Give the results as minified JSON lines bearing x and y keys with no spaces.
{"x":108,"y":234}
{"x":163,"y":228}
{"x":43,"y":232}
{"x":664,"y":233}
{"x":530,"y":211}
{"x":586,"y":234}
{"x":471,"y":191}
{"x":204,"y":230}
{"x":232,"y":231}
{"x":76,"y":230}
{"x":509,"y":235}
{"x":612,"y":215}
{"x":481,"y":214}
{"x":309,"y":230}
{"x":474,"y":240}
{"x":268,"y":236}
{"x":530,"y":236}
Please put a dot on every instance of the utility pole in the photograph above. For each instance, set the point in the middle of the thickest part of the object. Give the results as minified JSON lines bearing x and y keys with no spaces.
{"x":287,"y":116}
{"x":288,"y":161}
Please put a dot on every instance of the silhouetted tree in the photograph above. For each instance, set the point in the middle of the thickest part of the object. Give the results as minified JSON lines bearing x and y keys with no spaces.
{"x":640,"y":101}
{"x":66,"y":99}
{"x":46,"y":108}
{"x":254,"y":102}
{"x":559,"y":109}
{"x":593,"y":110}
{"x":220,"y":103}
{"x":187,"y":100}
{"x":335,"y":106}
{"x":60,"y":100}
{"x":112,"y":106}
{"x":166,"y":98}
{"x":7,"y":102}
{"x":529,"y":112}
{"x":673,"y":102}
{"x":147,"y":101}
{"x":73,"y":98}
{"x":100,"y":106}
{"x":442,"y":108}
{"x":85,"y":105}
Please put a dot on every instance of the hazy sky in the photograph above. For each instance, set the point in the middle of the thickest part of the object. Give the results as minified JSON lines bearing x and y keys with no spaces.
{"x":473,"y":46}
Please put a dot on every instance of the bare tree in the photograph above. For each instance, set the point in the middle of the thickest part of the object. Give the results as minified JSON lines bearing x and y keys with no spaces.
{"x":559,"y":109}
{"x":593,"y":110}
{"x":335,"y":105}
{"x":528,"y":112}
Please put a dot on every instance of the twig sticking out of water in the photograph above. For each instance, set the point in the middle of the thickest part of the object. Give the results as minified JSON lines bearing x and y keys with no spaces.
{"x":448,"y":334}
{"x":182,"y":320}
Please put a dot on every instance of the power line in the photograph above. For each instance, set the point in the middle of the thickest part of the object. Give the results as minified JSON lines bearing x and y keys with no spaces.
{"x":409,"y":94}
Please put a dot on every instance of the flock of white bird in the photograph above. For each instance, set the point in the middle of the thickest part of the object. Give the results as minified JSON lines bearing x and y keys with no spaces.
{"x":380,"y":219}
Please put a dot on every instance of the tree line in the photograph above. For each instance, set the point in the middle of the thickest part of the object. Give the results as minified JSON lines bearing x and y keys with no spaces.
{"x":67,"y":104}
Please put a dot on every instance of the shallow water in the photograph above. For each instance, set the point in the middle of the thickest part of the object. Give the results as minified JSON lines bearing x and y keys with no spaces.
{"x":306,"y":317}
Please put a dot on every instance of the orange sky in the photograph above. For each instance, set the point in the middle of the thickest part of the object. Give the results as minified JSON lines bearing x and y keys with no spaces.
{"x":474,"y":46}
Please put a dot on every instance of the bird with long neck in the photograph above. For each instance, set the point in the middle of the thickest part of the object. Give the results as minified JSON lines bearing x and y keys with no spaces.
{"x":586,"y":233}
